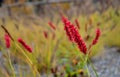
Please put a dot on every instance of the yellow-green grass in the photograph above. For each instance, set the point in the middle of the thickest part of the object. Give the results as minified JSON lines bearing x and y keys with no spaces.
{"x":47,"y":52}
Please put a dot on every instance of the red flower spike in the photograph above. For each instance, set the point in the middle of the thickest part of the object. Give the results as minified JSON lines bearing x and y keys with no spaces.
{"x":67,"y":28}
{"x":77,"y":23}
{"x":45,"y":34}
{"x":28,"y":48}
{"x":25,"y":45}
{"x":68,"y":32}
{"x":79,"y":41}
{"x":74,"y":35}
{"x":52,"y":25}
{"x":7,"y":40}
{"x":98,"y":33}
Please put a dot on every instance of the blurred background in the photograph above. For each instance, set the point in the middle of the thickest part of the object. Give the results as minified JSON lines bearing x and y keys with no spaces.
{"x":32,"y":19}
{"x":70,"y":7}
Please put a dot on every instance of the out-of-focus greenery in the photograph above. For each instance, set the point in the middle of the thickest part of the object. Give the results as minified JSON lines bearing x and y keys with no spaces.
{"x":56,"y":48}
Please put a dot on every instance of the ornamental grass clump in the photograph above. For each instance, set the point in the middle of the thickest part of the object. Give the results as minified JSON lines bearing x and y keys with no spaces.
{"x":8,"y":39}
{"x":47,"y":56}
{"x":75,"y":37}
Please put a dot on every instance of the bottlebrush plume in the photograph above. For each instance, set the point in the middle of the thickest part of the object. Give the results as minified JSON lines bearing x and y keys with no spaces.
{"x":67,"y":28}
{"x":52,"y":25}
{"x":25,"y":45}
{"x":7,"y":40}
{"x":77,"y":23}
{"x":74,"y":35}
{"x":98,"y":33}
{"x":79,"y":41}
{"x":45,"y":34}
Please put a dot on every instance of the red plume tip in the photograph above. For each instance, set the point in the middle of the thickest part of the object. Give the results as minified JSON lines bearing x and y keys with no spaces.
{"x":7,"y":40}
{"x":67,"y":28}
{"x":45,"y":34}
{"x":98,"y":33}
{"x":25,"y":45}
{"x":52,"y":25}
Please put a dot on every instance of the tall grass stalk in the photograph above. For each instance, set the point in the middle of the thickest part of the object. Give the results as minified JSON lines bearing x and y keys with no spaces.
{"x":93,"y":68}
{"x":30,"y":62}
{"x":10,"y":63}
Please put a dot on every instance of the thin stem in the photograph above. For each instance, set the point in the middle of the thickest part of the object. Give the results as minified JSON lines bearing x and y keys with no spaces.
{"x":88,"y":70}
{"x":93,"y":68}
{"x":24,"y":54}
{"x":85,"y":62}
{"x":76,"y":50}
{"x":31,"y":63}
{"x":11,"y":66}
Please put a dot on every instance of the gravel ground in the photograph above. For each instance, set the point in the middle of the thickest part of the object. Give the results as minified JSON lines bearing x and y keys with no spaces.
{"x":108,"y":64}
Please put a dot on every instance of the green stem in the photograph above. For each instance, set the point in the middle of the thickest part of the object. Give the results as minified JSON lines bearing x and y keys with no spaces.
{"x":77,"y":50}
{"x":11,"y":66}
{"x":31,"y":63}
{"x":85,"y":63}
{"x":93,"y":68}
{"x":24,"y":54}
{"x":88,"y":70}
